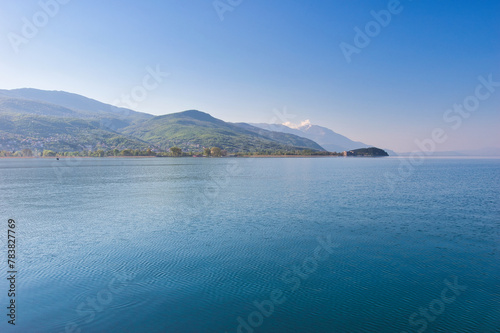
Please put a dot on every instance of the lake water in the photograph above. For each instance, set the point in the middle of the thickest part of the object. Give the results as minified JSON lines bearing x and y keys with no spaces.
{"x":252,"y":245}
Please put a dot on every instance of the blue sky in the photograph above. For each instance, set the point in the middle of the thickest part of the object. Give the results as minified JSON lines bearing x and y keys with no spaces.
{"x":272,"y":57}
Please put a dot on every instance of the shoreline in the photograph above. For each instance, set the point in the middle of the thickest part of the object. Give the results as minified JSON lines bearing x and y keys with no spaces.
{"x":251,"y":156}
{"x":66,"y":157}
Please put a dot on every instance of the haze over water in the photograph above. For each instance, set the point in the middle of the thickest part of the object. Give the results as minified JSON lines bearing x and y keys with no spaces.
{"x":189,"y":245}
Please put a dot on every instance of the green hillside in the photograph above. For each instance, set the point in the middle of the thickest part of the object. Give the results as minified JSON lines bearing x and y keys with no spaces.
{"x":60,"y":134}
{"x":194,"y":129}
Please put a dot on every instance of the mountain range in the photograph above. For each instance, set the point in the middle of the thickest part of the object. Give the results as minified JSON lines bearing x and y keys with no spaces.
{"x":62,"y":121}
{"x":325,"y":137}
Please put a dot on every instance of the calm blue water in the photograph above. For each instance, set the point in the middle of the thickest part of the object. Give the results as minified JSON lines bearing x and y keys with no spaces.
{"x":252,"y":245}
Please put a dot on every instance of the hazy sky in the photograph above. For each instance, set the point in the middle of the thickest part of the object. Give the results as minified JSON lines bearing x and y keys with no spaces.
{"x":273,"y":61}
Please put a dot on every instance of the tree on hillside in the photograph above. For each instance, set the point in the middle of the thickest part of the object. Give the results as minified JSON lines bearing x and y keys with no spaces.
{"x":176,"y":151}
{"x":206,"y":151}
{"x":27,"y":152}
{"x":48,"y":153}
{"x":216,"y":152}
{"x":127,"y":152}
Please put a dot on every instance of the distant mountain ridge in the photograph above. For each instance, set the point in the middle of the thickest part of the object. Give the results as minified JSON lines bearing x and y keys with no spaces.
{"x":80,"y":105}
{"x":325,"y":137}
